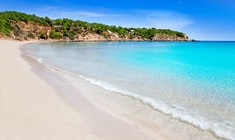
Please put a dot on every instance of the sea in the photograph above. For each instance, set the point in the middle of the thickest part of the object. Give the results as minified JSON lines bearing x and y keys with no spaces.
{"x":190,"y":81}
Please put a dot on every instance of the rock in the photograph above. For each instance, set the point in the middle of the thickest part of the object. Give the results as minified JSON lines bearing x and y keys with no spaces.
{"x":30,"y":30}
{"x":167,"y":37}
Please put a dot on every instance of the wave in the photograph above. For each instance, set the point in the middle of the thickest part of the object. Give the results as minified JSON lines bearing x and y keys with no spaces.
{"x":39,"y":60}
{"x":220,"y":128}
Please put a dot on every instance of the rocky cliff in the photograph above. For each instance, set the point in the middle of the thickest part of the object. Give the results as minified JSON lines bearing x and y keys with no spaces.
{"x":34,"y":31}
{"x":21,"y":26}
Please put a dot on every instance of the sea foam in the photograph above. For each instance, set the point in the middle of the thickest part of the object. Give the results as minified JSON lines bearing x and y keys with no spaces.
{"x":219,"y":127}
{"x":39,"y":60}
{"x":192,"y":82}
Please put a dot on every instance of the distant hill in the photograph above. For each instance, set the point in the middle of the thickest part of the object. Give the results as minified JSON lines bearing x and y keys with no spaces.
{"x":21,"y":26}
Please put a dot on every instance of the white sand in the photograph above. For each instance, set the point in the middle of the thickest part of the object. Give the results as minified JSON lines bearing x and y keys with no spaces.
{"x":40,"y":104}
{"x":31,"y":109}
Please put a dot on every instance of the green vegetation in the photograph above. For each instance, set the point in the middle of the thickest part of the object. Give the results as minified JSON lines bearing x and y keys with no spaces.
{"x":55,"y":35}
{"x":67,"y":28}
{"x":30,"y":35}
{"x":7,"y":17}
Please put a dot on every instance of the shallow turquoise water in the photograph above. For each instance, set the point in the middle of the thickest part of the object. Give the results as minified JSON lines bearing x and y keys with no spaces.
{"x":191,"y":81}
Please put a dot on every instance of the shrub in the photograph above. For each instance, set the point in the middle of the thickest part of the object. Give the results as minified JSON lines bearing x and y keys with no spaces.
{"x":55,"y":35}
{"x":30,"y":35}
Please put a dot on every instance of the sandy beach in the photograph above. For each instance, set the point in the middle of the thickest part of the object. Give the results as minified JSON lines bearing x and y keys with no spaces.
{"x":32,"y":109}
{"x":37,"y":103}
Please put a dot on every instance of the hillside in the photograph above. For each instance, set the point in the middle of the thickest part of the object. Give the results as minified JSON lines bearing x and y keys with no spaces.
{"x":21,"y":26}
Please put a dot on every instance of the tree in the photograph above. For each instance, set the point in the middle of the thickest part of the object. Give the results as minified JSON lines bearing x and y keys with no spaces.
{"x":55,"y":35}
{"x":69,"y":28}
{"x":48,"y":21}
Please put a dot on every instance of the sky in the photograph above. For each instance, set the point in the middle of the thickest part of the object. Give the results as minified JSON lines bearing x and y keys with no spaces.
{"x":199,"y":19}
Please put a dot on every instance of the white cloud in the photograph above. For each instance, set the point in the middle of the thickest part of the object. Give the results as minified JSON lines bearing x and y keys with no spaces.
{"x":62,"y":1}
{"x":90,"y":14}
{"x":165,"y":19}
{"x":48,"y":8}
{"x":137,"y":18}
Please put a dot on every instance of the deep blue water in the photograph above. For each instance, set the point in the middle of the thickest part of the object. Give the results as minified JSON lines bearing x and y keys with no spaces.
{"x":191,"y":81}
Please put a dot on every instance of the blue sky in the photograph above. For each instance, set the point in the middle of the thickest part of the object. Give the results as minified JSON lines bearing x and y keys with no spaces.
{"x":200,"y":19}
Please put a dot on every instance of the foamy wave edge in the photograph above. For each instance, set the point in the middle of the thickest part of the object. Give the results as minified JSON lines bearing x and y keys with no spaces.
{"x":220,"y":128}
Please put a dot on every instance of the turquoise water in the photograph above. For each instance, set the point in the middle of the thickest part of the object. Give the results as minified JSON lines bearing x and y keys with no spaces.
{"x":191,"y":81}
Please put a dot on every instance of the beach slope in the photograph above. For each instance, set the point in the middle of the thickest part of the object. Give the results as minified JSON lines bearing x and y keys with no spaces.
{"x":32,"y":109}
{"x":29,"y":107}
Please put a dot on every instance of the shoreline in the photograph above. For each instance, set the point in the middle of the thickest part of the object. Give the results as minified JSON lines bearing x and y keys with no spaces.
{"x":106,"y":115}
{"x":121,"y":40}
{"x":31,"y":108}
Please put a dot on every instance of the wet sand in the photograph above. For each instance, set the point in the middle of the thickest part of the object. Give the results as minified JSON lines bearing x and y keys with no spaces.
{"x":37,"y":102}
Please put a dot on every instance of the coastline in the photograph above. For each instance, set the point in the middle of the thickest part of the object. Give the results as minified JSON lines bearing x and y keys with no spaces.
{"x":33,"y":109}
{"x":73,"y":108}
{"x":30,"y":108}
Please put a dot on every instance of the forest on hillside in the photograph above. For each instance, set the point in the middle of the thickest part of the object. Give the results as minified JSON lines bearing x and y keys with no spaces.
{"x":60,"y":28}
